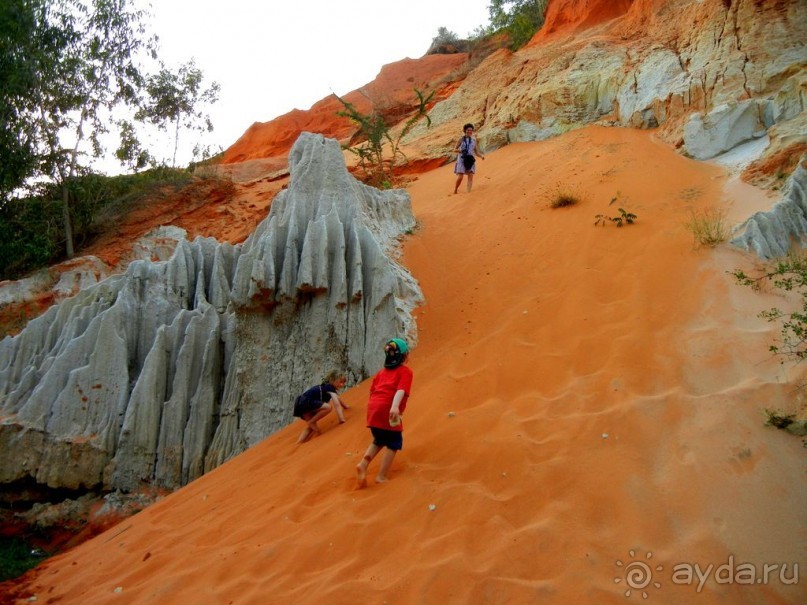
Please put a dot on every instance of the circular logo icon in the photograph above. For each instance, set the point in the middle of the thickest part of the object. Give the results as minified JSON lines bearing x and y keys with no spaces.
{"x":638,"y":574}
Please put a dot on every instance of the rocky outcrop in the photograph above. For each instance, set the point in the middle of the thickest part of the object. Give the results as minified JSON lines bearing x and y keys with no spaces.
{"x":162,"y":373}
{"x":723,"y":128}
{"x":709,"y":75}
{"x":771,"y":234}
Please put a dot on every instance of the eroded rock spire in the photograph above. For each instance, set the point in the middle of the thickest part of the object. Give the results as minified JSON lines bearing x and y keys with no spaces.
{"x":162,"y":373}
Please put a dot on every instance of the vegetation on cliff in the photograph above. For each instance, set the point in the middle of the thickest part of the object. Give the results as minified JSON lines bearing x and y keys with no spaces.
{"x":67,"y":68}
{"x":374,"y":133}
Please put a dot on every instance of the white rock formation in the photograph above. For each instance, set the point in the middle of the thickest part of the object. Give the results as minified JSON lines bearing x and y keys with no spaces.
{"x":166,"y":371}
{"x":723,"y":128}
{"x":772,"y":234}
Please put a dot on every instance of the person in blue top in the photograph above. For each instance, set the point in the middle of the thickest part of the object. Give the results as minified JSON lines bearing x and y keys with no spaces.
{"x":317,"y":402}
{"x":466,"y":159}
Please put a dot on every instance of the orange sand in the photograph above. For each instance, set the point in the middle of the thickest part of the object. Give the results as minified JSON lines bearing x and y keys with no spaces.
{"x":580,"y":392}
{"x":568,"y":16}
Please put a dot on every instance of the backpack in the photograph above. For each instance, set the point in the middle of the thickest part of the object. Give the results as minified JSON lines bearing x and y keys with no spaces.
{"x":468,"y":160}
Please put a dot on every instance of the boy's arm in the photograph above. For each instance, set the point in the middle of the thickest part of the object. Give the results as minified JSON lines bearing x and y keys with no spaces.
{"x":396,"y":402}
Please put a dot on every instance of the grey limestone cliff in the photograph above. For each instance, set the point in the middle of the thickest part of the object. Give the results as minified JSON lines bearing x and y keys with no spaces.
{"x":162,"y":373}
{"x":772,"y":234}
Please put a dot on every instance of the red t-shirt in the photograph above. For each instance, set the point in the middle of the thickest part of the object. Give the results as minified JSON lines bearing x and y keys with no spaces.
{"x":385,"y":384}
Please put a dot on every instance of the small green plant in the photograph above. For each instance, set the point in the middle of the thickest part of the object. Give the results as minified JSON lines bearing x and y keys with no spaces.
{"x":374,"y":134}
{"x":777,"y":419}
{"x":624,"y":218}
{"x":787,"y":275}
{"x":708,"y":226}
{"x":17,"y":557}
{"x":563,"y":199}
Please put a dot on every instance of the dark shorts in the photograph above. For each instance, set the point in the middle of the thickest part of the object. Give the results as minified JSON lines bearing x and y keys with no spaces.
{"x":384,"y":438}
{"x":303,"y":407}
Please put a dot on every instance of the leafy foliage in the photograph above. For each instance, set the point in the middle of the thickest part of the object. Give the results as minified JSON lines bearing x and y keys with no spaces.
{"x":17,"y":557}
{"x":520,"y":18}
{"x":130,"y":153}
{"x":27,"y":52}
{"x":446,"y":41}
{"x":624,"y":218}
{"x":374,"y":133}
{"x":31,"y":230}
{"x":787,"y":275}
{"x":66,"y":68}
{"x":83,"y":67}
{"x":444,"y":36}
{"x":29,"y":236}
{"x":177,"y":98}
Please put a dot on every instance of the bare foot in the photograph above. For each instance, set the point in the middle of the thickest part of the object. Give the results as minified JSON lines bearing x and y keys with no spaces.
{"x":381,"y":479}
{"x":305,"y":435}
{"x":314,"y":428}
{"x":361,"y":475}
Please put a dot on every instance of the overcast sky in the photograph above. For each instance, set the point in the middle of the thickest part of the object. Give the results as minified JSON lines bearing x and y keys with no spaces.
{"x":272,"y":56}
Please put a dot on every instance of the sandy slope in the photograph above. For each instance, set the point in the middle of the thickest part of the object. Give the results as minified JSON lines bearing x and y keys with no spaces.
{"x":580,"y":392}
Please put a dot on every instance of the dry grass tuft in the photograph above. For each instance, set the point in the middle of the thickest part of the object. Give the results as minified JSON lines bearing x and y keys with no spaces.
{"x":709,"y":226}
{"x":564,"y":199}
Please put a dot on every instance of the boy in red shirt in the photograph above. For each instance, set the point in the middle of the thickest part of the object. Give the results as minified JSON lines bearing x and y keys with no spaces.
{"x":388,"y":395}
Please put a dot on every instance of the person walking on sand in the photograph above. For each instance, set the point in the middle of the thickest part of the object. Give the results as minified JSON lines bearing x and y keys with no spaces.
{"x":317,"y":402}
{"x":467,"y":150}
{"x":389,"y":392}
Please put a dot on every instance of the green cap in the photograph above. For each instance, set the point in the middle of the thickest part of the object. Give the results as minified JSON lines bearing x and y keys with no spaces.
{"x":401,"y":344}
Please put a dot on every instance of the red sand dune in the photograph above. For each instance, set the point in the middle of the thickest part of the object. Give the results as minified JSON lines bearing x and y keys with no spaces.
{"x":392,"y":90}
{"x":580,"y":393}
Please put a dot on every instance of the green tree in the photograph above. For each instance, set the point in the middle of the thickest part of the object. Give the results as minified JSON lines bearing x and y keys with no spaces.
{"x":82,"y":66}
{"x":177,"y":99}
{"x":29,"y":49}
{"x":67,"y":69}
{"x":104,"y":74}
{"x":374,"y":133}
{"x":130,"y":152}
{"x":444,"y":36}
{"x":520,"y":18}
{"x":446,"y":41}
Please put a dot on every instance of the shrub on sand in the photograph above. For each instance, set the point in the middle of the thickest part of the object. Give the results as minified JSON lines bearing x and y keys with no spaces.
{"x":563,"y":199}
{"x":708,"y":226}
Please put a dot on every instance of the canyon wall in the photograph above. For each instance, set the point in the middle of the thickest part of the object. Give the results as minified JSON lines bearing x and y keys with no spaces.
{"x":158,"y":375}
